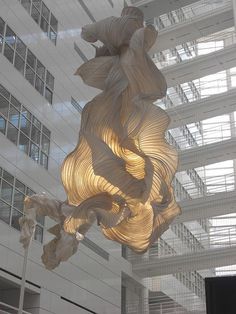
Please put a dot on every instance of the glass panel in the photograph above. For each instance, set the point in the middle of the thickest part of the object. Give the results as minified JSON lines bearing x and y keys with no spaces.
{"x":29,"y":192}
{"x":26,"y":113}
{"x":44,"y":160}
{"x":50,"y":80}
{"x":4,"y":92}
{"x":18,"y":200}
{"x":20,"y":186}
{"x":19,"y":64}
{"x":40,"y":219}
{"x":5,"y":211}
{"x":45,"y":12}
{"x":6,"y":192}
{"x":8,"y":177}
{"x":35,"y":134}
{"x":20,"y":48}
{"x":2,"y":125}
{"x":46,"y":131}
{"x":39,"y":85}
{"x":26,"y":4}
{"x":34,"y":152}
{"x":14,"y":116}
{"x":35,"y":14}
{"x":4,"y":106}
{"x":8,"y":53}
{"x":12,"y":133}
{"x":48,"y":95}
{"x":2,"y":26}
{"x":40,"y":70}
{"x":37,"y":4}
{"x":53,"y":22}
{"x":24,"y":143}
{"x":38,"y":235}
{"x":29,"y":75}
{"x":36,"y":122}
{"x":45,"y":144}
{"x":15,"y":102}
{"x":25,"y":125}
{"x":31,"y":59}
{"x":10,"y":37}
{"x":1,"y":43}
{"x":16,"y":215}
{"x":44,"y":25}
{"x":53,"y":36}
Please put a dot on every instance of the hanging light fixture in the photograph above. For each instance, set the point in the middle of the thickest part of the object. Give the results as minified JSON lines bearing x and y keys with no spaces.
{"x":121,"y":170}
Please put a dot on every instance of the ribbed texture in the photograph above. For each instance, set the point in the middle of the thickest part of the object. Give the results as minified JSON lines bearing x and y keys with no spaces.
{"x":121,"y":170}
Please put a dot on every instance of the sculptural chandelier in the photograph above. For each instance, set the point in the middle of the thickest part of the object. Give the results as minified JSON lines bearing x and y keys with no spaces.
{"x":121,"y":170}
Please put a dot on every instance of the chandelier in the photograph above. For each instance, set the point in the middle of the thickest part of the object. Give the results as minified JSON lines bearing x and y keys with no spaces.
{"x":121,"y":170}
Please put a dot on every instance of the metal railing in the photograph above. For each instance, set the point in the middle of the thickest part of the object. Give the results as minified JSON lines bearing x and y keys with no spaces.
{"x":199,"y":47}
{"x":217,"y":238}
{"x":212,"y":133}
{"x":188,"y":13}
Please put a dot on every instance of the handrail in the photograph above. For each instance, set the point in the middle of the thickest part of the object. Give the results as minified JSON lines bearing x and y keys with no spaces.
{"x":10,"y":307}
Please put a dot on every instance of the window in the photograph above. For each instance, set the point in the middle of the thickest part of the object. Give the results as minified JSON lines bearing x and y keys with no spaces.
{"x":76,"y":105}
{"x":12,"y":195}
{"x":43,"y":17}
{"x":26,"y":62}
{"x":24,"y":129}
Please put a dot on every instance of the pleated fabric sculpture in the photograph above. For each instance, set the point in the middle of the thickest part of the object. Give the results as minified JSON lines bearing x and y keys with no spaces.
{"x":121,"y":170}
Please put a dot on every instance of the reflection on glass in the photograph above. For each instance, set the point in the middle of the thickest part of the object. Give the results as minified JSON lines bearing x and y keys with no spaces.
{"x":10,"y":37}
{"x":6,"y":192}
{"x":24,"y":143}
{"x":45,"y":12}
{"x":2,"y":125}
{"x":8,"y":177}
{"x":4,"y":106}
{"x":15,"y":102}
{"x":38,"y":235}
{"x":35,"y":135}
{"x":14,"y":116}
{"x":8,"y":53}
{"x":20,"y":48}
{"x":12,"y":133}
{"x":25,"y":125}
{"x":48,"y":95}
{"x":29,"y":75}
{"x":34,"y":152}
{"x":44,"y":160}
{"x":31,"y":59}
{"x":5,"y":211}
{"x":2,"y":26}
{"x":20,"y":186}
{"x":18,"y":200}
{"x":19,"y":64}
{"x":35,"y":14}
{"x":40,"y":70}
{"x":16,"y":215}
{"x":45,"y":144}
{"x":44,"y":25}
{"x":26,"y":4}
